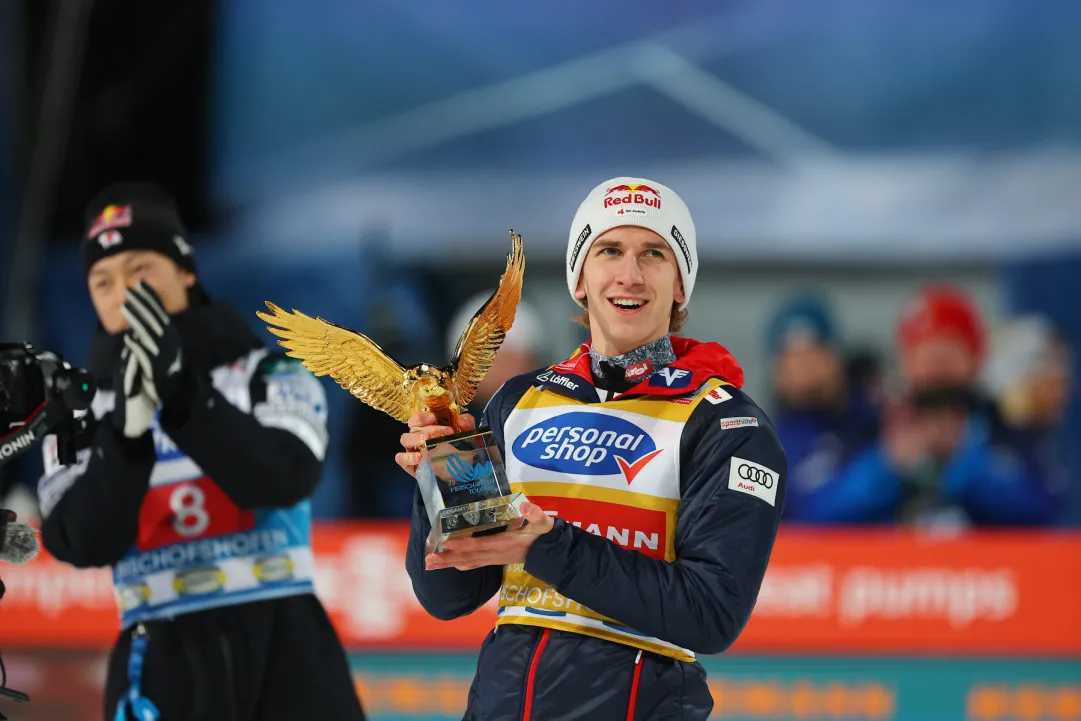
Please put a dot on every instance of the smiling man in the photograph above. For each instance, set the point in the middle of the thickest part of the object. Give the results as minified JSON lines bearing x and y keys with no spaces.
{"x":656,"y":488}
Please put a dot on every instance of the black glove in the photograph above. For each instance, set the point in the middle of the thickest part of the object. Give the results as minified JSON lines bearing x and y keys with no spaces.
{"x":134,"y":410}
{"x":155,"y":342}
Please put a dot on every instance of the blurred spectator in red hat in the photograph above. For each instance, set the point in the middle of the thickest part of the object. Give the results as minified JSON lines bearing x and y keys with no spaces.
{"x":940,"y":342}
{"x":947,"y":456}
{"x":941,"y":339}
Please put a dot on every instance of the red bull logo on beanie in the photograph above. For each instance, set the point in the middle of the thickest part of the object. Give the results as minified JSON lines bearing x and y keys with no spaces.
{"x":582,"y":443}
{"x":634,"y":194}
{"x":112,"y":217}
{"x":634,"y":188}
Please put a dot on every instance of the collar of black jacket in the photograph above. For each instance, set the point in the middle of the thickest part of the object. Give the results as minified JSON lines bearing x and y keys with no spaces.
{"x":212,"y":333}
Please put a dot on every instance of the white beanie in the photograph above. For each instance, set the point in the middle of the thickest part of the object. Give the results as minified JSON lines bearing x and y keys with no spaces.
{"x":525,"y":334}
{"x":1022,"y":348}
{"x":642,"y":203}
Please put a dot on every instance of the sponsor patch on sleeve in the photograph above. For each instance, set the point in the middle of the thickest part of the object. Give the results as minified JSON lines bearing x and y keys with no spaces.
{"x":741,"y":422}
{"x":55,"y":483}
{"x":297,"y":403}
{"x":754,"y":479}
{"x":718,"y":395}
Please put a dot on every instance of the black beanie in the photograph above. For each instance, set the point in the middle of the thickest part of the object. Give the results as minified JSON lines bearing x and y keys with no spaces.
{"x":134,"y":216}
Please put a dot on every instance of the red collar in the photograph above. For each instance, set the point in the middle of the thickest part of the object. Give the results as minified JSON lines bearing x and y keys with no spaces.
{"x":695,"y":364}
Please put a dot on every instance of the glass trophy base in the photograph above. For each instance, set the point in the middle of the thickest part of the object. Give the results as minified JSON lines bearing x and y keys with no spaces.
{"x":473,"y":519}
{"x":464,"y":487}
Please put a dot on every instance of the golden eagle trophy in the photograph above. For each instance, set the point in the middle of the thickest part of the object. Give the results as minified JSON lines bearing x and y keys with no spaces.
{"x":462,"y":478}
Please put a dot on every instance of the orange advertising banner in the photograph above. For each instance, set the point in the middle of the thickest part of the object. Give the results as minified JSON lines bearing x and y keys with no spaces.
{"x":826,"y":592}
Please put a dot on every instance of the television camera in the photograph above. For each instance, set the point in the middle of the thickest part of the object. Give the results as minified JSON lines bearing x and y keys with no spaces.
{"x":40,"y":395}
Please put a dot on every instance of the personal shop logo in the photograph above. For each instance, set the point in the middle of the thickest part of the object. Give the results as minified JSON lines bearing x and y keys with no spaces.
{"x":583,"y":443}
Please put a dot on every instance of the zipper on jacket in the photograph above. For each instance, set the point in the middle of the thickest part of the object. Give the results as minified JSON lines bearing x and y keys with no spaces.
{"x":634,"y":685}
{"x":227,"y":656}
{"x":531,"y":677}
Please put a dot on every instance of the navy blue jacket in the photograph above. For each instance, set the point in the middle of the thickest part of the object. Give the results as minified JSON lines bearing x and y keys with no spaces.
{"x":701,"y":602}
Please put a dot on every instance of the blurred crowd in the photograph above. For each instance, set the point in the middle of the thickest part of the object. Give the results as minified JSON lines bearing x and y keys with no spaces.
{"x":957,"y":428}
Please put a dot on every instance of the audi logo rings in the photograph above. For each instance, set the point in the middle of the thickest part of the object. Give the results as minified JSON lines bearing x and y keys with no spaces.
{"x":755,"y":475}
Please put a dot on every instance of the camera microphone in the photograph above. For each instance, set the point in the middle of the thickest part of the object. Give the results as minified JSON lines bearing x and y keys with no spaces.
{"x":18,"y":541}
{"x":18,"y":544}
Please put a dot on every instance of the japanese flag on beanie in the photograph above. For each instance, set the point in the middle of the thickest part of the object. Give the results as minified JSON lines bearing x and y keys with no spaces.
{"x":633,"y":201}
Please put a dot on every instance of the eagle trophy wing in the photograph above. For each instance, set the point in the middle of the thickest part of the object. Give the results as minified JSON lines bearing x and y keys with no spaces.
{"x":481,"y":339}
{"x":350,"y":358}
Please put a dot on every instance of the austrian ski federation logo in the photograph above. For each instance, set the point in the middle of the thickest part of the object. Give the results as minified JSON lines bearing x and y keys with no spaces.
{"x":671,"y":378}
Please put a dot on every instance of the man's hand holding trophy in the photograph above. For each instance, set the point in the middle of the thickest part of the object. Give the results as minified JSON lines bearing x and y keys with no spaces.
{"x":461,"y":476}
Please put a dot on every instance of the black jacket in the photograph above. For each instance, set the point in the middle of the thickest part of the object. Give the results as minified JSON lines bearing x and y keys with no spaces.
{"x":91,"y":510}
{"x":236,"y":662}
